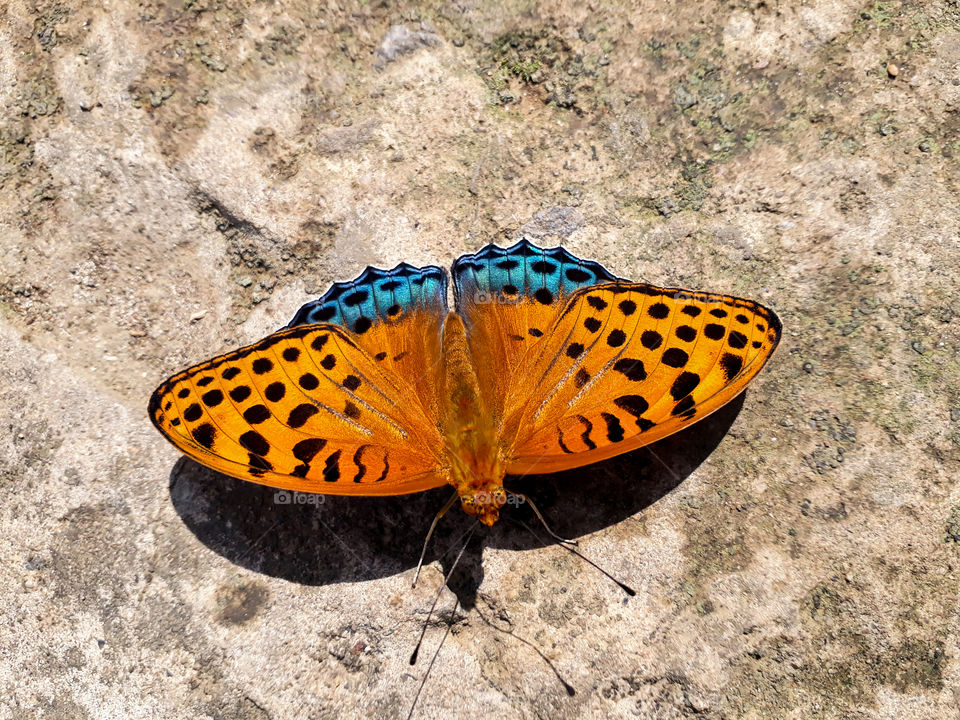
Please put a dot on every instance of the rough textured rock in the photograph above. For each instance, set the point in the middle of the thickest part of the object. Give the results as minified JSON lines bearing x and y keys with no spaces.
{"x":178,"y":177}
{"x":401,"y":40}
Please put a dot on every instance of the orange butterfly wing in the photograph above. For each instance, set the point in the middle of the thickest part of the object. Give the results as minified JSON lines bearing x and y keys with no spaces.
{"x":311,"y":409}
{"x":508,"y":299}
{"x":626,"y":364}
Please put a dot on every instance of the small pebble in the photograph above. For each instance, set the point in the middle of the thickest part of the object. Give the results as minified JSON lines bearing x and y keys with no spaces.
{"x":892,"y":70}
{"x":808,"y":367}
{"x":30,"y":584}
{"x":198,"y":316}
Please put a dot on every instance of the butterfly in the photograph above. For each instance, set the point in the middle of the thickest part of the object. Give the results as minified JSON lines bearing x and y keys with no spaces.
{"x":547,"y":362}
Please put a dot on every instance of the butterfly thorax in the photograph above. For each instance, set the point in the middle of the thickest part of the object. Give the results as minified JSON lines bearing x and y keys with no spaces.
{"x":476,"y":468}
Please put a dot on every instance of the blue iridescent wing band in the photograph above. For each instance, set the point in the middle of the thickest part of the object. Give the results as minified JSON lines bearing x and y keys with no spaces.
{"x":378,"y":295}
{"x":523,"y":270}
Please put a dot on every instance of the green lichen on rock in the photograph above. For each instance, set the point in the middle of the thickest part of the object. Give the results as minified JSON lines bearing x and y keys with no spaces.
{"x":38,"y":96}
{"x":547,"y":64}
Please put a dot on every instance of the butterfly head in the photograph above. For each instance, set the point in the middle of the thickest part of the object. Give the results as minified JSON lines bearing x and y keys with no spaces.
{"x":479,"y":483}
{"x":485,"y":503}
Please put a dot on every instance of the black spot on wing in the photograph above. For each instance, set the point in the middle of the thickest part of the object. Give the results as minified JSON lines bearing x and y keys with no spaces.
{"x":658,"y":310}
{"x":616,"y":338}
{"x":358,"y":461}
{"x":731,"y":365}
{"x":212,"y":398}
{"x":255,"y":442}
{"x":240,"y":393}
{"x":587,"y":429}
{"x":737,"y":340}
{"x":256,"y":414}
{"x":614,"y":428}
{"x":356,"y":298}
{"x":205,"y":434}
{"x":300,"y":414}
{"x":651,"y":339}
{"x":577,"y":275}
{"x":685,"y":384}
{"x":331,"y":467}
{"x":305,"y":450}
{"x":674,"y":357}
{"x":633,"y":404}
{"x":262,"y":366}
{"x":275,"y":391}
{"x":633,"y":369}
{"x":543,"y":296}
{"x":683,"y":406}
{"x":714,"y":331}
{"x":686,"y":333}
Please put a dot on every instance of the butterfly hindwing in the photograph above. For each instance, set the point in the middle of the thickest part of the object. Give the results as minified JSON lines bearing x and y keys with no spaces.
{"x":305,"y":409}
{"x":508,"y":298}
{"x":626,"y":364}
{"x":396,"y":316}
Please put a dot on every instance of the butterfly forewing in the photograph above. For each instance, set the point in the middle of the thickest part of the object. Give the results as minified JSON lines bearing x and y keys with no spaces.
{"x":305,"y":409}
{"x":626,"y":364}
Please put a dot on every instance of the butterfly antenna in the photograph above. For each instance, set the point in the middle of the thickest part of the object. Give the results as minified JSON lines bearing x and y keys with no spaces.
{"x":528,"y":501}
{"x":433,"y":525}
{"x":416,"y":650}
{"x":623,"y":586}
{"x":423,"y":682}
{"x":566,"y":686}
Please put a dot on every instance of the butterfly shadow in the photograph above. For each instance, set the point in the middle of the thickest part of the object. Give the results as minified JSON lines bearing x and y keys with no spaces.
{"x":319,"y":540}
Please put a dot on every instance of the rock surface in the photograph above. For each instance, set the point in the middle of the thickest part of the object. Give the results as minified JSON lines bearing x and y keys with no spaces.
{"x":179,"y":176}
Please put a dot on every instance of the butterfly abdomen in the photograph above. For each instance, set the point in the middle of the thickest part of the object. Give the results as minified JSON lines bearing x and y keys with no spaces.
{"x":476,"y":468}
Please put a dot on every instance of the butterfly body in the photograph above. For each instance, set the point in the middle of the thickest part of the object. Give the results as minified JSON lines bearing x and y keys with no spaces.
{"x":475,"y":457}
{"x":547,"y":362}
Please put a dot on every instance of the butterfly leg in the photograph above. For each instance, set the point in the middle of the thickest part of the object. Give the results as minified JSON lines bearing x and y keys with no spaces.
{"x":543,"y":521}
{"x":433,"y":525}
